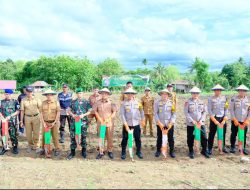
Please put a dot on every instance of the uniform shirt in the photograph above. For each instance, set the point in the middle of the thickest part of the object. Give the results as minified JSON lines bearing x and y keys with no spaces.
{"x":93,"y":99}
{"x":217,"y":106}
{"x":105,"y":108}
{"x":65,"y":100}
{"x":174,"y":98}
{"x":50,"y":110}
{"x":79,"y":107}
{"x":31,"y":106}
{"x":240,"y":108}
{"x":195,"y":110}
{"x":8,"y":107}
{"x":163,"y":111}
{"x":147,"y":104}
{"x":131,"y":112}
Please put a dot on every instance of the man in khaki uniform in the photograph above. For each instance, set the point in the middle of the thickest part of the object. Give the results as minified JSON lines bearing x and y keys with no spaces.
{"x":147,"y":102}
{"x":173,"y":94}
{"x":30,"y":109}
{"x":105,"y":111}
{"x":50,"y":115}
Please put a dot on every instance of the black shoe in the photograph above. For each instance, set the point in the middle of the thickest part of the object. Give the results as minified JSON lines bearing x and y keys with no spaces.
{"x":111,"y":156}
{"x":245,"y":151}
{"x":61,"y":137}
{"x":232,"y":150}
{"x":209,"y":152}
{"x":204,"y":153}
{"x":225,"y":150}
{"x":99,"y":156}
{"x":123,"y":155}
{"x":157,"y":154}
{"x":15,"y":150}
{"x":172,"y":154}
{"x":84,"y":153}
{"x":42,"y":152}
{"x":139,"y":154}
{"x":71,"y":155}
{"x":191,"y":155}
{"x":56,"y":153}
{"x":3,"y":151}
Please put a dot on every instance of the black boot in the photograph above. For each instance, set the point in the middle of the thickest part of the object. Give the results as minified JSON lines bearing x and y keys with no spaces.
{"x":3,"y":151}
{"x":204,"y":153}
{"x":15,"y":150}
{"x":225,"y":150}
{"x":62,"y":134}
{"x":72,"y":154}
{"x":157,"y":153}
{"x":172,"y":154}
{"x":232,"y":150}
{"x":139,"y":154}
{"x":99,"y":156}
{"x":84,"y":153}
{"x":111,"y":156}
{"x":123,"y":154}
{"x":209,"y":152}
{"x":245,"y":151}
{"x":191,"y":154}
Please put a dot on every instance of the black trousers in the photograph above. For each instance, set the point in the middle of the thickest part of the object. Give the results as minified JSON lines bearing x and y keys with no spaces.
{"x":137,"y":137}
{"x":170,"y":139}
{"x":190,"y":138}
{"x":234,"y":132}
{"x":213,"y":130}
{"x":63,"y":119}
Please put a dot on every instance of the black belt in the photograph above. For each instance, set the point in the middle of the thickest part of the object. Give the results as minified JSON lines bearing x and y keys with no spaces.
{"x":32,"y":115}
{"x":51,"y":121}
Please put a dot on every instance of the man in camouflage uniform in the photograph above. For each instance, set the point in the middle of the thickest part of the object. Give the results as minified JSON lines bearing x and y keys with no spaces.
{"x":165,"y":116}
{"x":147,"y":102}
{"x":218,"y":111}
{"x":195,"y":111}
{"x":9,"y":110}
{"x":79,"y":107}
{"x":132,"y":115}
{"x":240,"y":114}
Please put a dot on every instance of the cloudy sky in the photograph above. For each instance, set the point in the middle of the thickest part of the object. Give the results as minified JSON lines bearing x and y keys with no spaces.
{"x":167,"y":31}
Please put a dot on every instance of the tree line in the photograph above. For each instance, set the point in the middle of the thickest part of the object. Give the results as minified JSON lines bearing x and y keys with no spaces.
{"x":82,"y":72}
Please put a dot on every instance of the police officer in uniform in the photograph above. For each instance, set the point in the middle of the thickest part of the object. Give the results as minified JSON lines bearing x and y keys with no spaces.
{"x":9,"y":109}
{"x":173,"y":94}
{"x":195,"y":111}
{"x":218,"y":111}
{"x":165,"y":116}
{"x":132,"y":115}
{"x":79,"y":107}
{"x":65,"y":99}
{"x":147,"y":102}
{"x":240,"y":114}
{"x":123,"y":96}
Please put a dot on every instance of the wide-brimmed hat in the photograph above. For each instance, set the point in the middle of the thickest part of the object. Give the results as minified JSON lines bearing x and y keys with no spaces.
{"x":164,"y":91}
{"x":49,"y":91}
{"x":147,"y":89}
{"x":195,"y":90}
{"x":242,"y":87}
{"x":104,"y":90}
{"x":130,"y":91}
{"x":218,"y":87}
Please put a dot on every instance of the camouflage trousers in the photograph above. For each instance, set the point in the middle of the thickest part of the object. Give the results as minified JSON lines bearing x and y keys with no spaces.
{"x":83,"y":142}
{"x":12,"y":133}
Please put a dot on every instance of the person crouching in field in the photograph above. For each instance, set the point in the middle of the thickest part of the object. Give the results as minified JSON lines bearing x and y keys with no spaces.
{"x":218,"y":111}
{"x":195,"y":112}
{"x":132,"y":115}
{"x":105,"y":112}
{"x":165,"y":116}
{"x":79,"y":110}
{"x":240,"y":117}
{"x":50,"y":115}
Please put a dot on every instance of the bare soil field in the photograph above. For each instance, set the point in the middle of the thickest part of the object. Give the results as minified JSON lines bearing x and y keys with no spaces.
{"x":34,"y":171}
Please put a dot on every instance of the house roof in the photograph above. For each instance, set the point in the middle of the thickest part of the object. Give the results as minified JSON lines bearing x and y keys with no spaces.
{"x":181,"y":82}
{"x":40,"y":84}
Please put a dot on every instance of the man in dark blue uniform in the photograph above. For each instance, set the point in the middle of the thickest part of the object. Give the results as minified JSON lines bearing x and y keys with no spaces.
{"x":65,"y":99}
{"x":19,"y":99}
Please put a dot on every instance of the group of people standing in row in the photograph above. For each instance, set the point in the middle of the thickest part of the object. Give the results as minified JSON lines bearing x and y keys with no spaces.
{"x":53,"y":113}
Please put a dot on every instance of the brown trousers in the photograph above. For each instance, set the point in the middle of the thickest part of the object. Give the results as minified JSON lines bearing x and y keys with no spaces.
{"x":109,"y":137}
{"x":148,"y":119}
{"x":32,"y":125}
{"x":54,"y":134}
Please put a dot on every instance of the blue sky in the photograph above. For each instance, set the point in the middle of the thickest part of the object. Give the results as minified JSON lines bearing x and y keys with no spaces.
{"x":167,"y":31}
